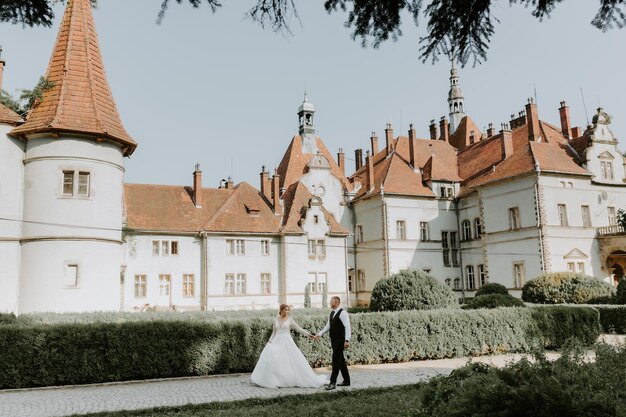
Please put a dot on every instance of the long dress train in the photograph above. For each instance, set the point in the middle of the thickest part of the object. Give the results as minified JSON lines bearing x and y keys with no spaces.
{"x":282,"y":364}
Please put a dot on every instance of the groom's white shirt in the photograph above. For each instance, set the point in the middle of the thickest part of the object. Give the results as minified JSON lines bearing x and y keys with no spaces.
{"x":344,"y":319}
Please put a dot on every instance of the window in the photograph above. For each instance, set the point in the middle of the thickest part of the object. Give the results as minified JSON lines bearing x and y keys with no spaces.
{"x":446,"y":248}
{"x":68,"y":182}
{"x":229,"y":284}
{"x":235,"y":247}
{"x":266,"y":283}
{"x":188,"y":285}
{"x":449,"y":282}
{"x":351,"y":280}
{"x":316,"y":219}
{"x":457,"y":283}
{"x":519,"y":275}
{"x":562,"y":211}
{"x":467,"y":230}
{"x":361,"y":280}
{"x":241,"y":284}
{"x":83,"y":184}
{"x":164,"y":285}
{"x":470,"y":278}
{"x":424,"y":231}
{"x":359,"y":233}
{"x":71,"y":276}
{"x":446,"y":192}
{"x":76,"y":183}
{"x":607,"y":170}
{"x":140,"y":286}
{"x":240,"y":246}
{"x":482,"y":275}
{"x":164,"y":247}
{"x":400,"y":230}
{"x":514,"y":218}
{"x":265,"y":247}
{"x":455,"y":249}
{"x":576,"y":267}
{"x":586,"y":214}
{"x":478,"y":229}
{"x":317,"y":248}
{"x":610,"y":211}
{"x":321,"y":282}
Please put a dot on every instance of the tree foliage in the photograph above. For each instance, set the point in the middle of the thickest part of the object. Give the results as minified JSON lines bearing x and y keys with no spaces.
{"x":27,"y":98}
{"x":459,"y":28}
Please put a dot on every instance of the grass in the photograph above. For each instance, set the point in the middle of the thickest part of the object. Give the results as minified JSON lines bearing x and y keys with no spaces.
{"x":399,"y":401}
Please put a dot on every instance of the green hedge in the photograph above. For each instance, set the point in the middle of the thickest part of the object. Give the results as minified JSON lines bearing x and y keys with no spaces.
{"x":612,"y":318}
{"x":42,"y":355}
{"x":567,"y":287}
{"x":491,"y":288}
{"x":492,"y":300}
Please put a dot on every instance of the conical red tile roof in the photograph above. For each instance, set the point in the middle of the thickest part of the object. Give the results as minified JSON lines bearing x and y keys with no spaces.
{"x":80,"y":100}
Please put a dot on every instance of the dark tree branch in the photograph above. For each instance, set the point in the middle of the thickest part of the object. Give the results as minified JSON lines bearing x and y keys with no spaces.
{"x":275,"y":14}
{"x":213,"y":4}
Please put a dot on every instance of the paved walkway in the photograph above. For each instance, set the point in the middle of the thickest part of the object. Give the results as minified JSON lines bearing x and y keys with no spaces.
{"x":134,"y":395}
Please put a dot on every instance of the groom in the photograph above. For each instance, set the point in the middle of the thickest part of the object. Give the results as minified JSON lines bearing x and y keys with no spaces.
{"x":339,"y":327}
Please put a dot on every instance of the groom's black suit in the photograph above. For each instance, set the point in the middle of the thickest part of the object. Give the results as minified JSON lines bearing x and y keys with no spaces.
{"x":337,"y":333}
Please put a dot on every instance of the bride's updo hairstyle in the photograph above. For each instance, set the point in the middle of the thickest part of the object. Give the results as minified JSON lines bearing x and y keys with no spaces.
{"x":282,"y":307}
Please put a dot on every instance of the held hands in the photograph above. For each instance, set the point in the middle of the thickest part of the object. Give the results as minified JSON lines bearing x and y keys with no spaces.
{"x":346,"y":344}
{"x":314,"y":337}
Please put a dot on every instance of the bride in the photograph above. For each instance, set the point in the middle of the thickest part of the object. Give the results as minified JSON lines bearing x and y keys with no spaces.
{"x":281,"y":363}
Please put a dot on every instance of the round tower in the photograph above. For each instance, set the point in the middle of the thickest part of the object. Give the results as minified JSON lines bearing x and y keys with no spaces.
{"x":75,"y":146}
{"x":455,"y":100}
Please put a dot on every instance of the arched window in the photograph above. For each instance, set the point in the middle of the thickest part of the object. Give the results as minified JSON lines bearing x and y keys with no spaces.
{"x":457,"y":283}
{"x":478,"y":229}
{"x":470,"y":277}
{"x":467,"y":230}
{"x":448,"y":282}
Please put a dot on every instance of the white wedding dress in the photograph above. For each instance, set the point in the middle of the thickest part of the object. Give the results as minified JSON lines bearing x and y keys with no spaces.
{"x":282,"y":364}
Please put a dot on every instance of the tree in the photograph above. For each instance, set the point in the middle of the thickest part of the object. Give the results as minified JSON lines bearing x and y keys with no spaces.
{"x":307,"y":296}
{"x":459,"y":28}
{"x":27,"y":99}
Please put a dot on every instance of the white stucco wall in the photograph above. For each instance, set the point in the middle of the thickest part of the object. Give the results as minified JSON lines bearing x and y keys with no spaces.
{"x":11,"y":197}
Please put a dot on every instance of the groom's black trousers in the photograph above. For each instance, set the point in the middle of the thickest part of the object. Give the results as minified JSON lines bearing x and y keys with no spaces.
{"x":339,"y":363}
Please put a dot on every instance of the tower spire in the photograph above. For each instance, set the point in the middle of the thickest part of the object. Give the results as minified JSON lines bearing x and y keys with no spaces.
{"x":306,"y":129}
{"x":80,"y":99}
{"x":455,"y":98}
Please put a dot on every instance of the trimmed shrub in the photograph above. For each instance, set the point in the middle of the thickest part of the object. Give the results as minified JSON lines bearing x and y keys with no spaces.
{"x":41,"y":355}
{"x":493,"y":301}
{"x":568,"y":386}
{"x":411,"y":290}
{"x":612,"y":318}
{"x":620,"y":297}
{"x":7,"y":318}
{"x":567,"y":287}
{"x":492,"y":288}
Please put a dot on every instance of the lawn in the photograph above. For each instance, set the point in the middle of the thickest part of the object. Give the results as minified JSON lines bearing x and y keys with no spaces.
{"x":397,"y":401}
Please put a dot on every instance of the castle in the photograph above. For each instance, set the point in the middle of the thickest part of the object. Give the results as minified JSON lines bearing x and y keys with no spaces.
{"x":467,"y":206}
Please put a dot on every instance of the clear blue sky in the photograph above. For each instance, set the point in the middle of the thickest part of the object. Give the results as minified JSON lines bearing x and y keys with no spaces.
{"x":218,"y":90}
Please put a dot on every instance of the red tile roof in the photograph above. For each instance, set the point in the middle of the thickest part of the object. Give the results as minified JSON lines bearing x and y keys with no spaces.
{"x":461,"y":137}
{"x":9,"y":116}
{"x":294,"y":163}
{"x":171,"y":209}
{"x":80,"y":100}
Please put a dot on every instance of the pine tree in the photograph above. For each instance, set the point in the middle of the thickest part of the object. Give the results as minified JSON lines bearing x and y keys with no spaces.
{"x":307,"y":296}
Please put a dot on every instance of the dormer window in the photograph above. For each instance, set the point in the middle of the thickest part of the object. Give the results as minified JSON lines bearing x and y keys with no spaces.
{"x":252,"y":210}
{"x":607,"y":170}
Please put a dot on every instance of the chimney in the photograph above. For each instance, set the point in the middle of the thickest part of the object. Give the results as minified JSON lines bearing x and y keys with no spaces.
{"x":374,"y":140}
{"x":341,"y":161}
{"x":358,"y":158}
{"x":389,"y":137}
{"x":369,"y":160}
{"x":433,"y":129}
{"x":276,"y":194}
{"x":197,"y":187}
{"x":266,"y":183}
{"x":576,"y":132}
{"x":229,"y":183}
{"x":412,"y":138}
{"x":443,"y":128}
{"x":491,"y":131}
{"x":507,"y":141}
{"x":532,"y":118}
{"x":565,"y":122}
